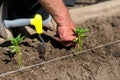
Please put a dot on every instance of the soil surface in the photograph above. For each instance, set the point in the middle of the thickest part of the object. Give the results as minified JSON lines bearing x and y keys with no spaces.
{"x":97,"y":64}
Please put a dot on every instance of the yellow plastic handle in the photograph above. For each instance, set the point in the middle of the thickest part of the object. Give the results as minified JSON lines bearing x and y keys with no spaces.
{"x":37,"y":22}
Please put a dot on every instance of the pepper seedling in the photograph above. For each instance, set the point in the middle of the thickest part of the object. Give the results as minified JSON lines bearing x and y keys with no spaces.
{"x":15,"y":48}
{"x":80,"y":33}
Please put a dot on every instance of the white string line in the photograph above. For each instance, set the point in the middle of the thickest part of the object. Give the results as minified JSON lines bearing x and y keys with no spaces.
{"x":56,"y":59}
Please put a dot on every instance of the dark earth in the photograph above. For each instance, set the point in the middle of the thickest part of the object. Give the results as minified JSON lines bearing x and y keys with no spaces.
{"x":97,"y":64}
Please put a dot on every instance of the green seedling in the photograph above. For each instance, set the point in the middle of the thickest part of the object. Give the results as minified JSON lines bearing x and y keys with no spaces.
{"x":80,"y":33}
{"x":15,"y":48}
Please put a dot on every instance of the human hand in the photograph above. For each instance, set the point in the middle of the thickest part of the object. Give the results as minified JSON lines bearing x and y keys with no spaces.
{"x":65,"y":34}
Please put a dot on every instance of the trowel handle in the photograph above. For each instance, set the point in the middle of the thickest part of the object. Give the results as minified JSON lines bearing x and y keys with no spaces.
{"x":17,"y":22}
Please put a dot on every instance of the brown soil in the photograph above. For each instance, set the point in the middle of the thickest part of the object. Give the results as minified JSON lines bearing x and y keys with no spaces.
{"x":97,"y":64}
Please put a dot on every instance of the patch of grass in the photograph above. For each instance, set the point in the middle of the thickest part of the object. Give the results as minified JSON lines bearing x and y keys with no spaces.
{"x":15,"y":48}
{"x":81,"y":34}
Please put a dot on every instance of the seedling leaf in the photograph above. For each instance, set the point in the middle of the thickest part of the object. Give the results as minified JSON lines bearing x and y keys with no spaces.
{"x":80,"y":33}
{"x":15,"y":48}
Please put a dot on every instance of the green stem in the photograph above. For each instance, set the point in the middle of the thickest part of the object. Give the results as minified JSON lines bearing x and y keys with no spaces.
{"x":80,"y":45}
{"x":19,"y":56}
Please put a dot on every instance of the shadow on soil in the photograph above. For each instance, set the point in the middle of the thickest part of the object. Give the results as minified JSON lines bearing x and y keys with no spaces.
{"x":53,"y":42}
{"x":11,"y":58}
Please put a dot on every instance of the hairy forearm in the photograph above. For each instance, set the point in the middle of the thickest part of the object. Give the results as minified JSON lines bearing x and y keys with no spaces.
{"x":57,"y":9}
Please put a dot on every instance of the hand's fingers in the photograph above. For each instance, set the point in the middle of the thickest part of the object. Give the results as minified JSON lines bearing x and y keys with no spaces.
{"x":67,"y":44}
{"x":64,"y":43}
{"x":57,"y":38}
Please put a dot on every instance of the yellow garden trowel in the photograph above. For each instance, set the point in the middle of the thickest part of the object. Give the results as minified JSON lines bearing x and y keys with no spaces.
{"x":36,"y":22}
